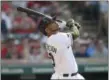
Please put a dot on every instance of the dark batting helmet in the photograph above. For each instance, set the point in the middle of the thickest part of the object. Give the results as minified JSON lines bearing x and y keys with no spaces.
{"x":43,"y":24}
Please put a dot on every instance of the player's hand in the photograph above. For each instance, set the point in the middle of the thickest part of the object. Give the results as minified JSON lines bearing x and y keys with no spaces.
{"x":78,"y":25}
{"x":71,"y":23}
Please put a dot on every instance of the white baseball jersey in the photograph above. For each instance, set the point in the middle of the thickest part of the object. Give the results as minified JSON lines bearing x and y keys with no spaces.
{"x":59,"y":47}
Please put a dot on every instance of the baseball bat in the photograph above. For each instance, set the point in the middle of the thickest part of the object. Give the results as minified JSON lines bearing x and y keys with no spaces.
{"x":36,"y":13}
{"x":33,"y":12}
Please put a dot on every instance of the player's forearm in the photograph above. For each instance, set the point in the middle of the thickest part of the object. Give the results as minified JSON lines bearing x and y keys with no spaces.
{"x":75,"y":32}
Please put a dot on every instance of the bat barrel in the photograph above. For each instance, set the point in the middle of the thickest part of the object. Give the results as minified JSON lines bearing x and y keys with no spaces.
{"x":32,"y":12}
{"x":26,"y":10}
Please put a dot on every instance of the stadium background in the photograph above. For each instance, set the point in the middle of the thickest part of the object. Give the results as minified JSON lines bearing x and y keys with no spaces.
{"x":23,"y":54}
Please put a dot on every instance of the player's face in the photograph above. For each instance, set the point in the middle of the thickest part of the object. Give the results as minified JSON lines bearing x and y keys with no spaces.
{"x":52,"y":29}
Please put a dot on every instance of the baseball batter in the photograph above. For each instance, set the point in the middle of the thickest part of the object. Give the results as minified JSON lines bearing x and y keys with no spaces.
{"x":59,"y":49}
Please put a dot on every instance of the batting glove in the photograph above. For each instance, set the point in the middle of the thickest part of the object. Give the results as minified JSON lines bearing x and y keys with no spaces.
{"x":71,"y":23}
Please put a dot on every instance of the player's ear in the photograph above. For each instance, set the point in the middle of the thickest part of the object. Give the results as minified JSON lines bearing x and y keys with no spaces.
{"x":46,"y":30}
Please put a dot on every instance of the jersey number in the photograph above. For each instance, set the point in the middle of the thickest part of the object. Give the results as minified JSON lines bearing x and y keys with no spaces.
{"x":50,"y":54}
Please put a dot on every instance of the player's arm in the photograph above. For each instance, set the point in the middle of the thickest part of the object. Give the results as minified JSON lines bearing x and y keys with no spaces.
{"x":74,"y":28}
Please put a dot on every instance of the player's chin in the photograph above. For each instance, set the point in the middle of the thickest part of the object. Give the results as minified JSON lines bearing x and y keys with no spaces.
{"x":54,"y":32}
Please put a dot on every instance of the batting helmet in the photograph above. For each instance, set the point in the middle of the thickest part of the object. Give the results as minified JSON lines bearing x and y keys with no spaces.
{"x":42,"y":25}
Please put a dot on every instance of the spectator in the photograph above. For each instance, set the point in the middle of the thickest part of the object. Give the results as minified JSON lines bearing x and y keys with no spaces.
{"x":4,"y":49}
{"x":100,"y":49}
{"x":91,"y":47}
{"x":19,"y":49}
{"x":14,"y":53}
{"x":82,"y":51}
{"x":4,"y":29}
{"x":14,"y":50}
{"x":10,"y":44}
{"x":35,"y":48}
{"x":34,"y":54}
{"x":6,"y":12}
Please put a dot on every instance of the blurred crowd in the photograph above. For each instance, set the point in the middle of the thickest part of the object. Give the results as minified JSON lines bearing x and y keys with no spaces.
{"x":21,"y":39}
{"x":90,"y":46}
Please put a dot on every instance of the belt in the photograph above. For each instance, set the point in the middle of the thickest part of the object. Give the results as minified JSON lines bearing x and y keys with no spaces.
{"x":72,"y":74}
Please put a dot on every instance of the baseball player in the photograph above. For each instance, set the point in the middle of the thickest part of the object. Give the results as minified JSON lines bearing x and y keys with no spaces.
{"x":59,"y":48}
